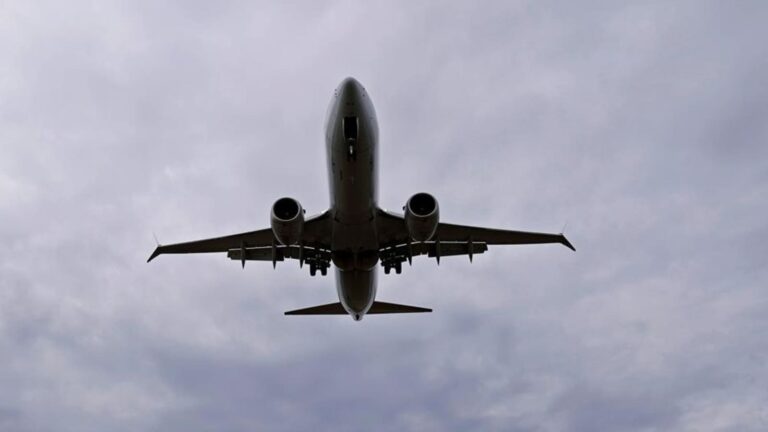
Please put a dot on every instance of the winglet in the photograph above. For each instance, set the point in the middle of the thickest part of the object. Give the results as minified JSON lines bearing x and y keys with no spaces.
{"x":567,"y":244}
{"x":155,"y":253}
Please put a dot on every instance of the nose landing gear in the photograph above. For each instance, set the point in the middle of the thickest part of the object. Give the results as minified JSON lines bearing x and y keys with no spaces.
{"x":351,"y":153}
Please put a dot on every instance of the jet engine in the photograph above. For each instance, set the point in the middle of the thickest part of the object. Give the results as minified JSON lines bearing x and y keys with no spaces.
{"x":287,"y":220}
{"x":422,"y":215}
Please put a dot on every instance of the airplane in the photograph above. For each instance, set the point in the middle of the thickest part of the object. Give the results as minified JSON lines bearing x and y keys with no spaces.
{"x":354,"y":234}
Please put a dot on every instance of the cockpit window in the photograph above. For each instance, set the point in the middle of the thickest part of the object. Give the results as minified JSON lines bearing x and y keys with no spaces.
{"x":350,"y":128}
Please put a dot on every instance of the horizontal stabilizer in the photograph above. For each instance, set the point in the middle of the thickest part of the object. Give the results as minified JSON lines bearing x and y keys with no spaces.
{"x":376,"y":308}
{"x":326,"y":309}
{"x":387,"y":308}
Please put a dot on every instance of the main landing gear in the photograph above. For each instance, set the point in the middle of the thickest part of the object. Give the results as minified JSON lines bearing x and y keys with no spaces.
{"x":398,"y":266}
{"x":313,"y":268}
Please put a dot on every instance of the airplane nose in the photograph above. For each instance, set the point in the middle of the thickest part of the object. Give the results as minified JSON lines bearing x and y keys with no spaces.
{"x":350,"y":90}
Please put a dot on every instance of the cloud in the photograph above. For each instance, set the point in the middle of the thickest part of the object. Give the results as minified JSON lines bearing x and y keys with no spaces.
{"x":639,"y":125}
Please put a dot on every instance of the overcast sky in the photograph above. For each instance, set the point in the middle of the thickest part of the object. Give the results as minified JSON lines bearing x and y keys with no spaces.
{"x":642,"y":126}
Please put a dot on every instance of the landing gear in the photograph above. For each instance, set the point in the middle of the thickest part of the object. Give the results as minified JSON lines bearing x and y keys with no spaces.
{"x":319,"y":265}
{"x":352,"y":149}
{"x":398,"y":266}
{"x":352,"y":154}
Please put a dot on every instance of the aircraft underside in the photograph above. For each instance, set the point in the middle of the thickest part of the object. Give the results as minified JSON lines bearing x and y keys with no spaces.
{"x":354,"y":234}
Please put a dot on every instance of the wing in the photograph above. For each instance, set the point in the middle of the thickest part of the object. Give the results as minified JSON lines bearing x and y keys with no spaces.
{"x":392,"y":231}
{"x":316,"y":233}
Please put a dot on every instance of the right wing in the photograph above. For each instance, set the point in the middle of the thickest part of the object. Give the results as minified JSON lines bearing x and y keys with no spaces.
{"x":316,"y":233}
{"x":392,"y":230}
{"x":498,"y":236}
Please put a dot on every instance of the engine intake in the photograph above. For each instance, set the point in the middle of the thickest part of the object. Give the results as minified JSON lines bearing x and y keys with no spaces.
{"x":287,"y":220}
{"x":422,"y":214}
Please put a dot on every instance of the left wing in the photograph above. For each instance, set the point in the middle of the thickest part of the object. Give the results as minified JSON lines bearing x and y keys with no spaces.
{"x":316,"y":233}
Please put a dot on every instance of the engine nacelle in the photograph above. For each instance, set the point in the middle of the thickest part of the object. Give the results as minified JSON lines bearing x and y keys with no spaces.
{"x":422,"y":215}
{"x":287,"y":221}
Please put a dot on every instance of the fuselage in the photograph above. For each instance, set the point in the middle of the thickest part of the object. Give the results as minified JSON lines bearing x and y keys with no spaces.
{"x":351,"y":134}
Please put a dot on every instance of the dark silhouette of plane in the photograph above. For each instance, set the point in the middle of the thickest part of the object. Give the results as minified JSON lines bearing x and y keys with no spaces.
{"x":355,"y":234}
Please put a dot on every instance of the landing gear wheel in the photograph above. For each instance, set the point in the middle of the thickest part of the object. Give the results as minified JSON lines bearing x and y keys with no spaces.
{"x":399,"y":268}
{"x":387,"y":269}
{"x":324,"y":270}
{"x":312,"y":269}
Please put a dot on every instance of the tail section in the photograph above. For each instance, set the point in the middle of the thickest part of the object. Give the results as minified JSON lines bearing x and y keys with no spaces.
{"x":388,"y":308}
{"x":326,"y":309}
{"x":376,"y":308}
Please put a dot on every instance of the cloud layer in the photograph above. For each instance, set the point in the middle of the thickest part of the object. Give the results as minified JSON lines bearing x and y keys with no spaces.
{"x":642,"y":126}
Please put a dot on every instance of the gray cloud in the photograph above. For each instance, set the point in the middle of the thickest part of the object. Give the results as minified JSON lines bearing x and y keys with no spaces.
{"x":641,"y":125}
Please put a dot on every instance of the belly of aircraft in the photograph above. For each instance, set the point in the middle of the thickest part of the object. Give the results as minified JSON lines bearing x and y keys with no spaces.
{"x":351,"y":146}
{"x":355,"y":247}
{"x":354,"y":190}
{"x":354,"y":243}
{"x":357,"y":290}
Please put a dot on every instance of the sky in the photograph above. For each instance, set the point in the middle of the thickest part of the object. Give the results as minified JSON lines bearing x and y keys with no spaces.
{"x":640,"y":125}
